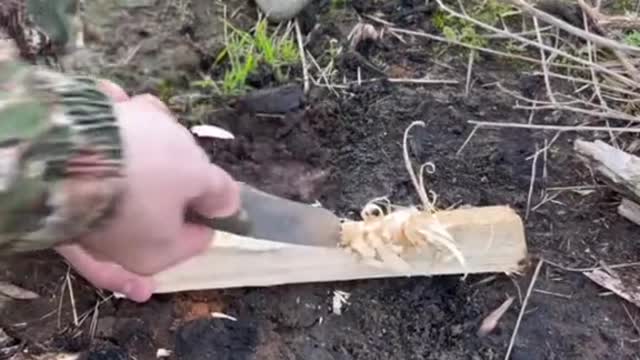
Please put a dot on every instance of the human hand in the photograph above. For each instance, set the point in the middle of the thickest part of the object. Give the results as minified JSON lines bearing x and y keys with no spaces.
{"x":166,"y":172}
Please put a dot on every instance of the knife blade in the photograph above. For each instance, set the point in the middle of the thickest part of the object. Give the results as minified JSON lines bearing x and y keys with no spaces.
{"x":269,"y":217}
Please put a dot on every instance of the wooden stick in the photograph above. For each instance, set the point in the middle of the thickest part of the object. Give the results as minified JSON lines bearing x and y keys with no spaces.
{"x":630,"y":210}
{"x":492,"y":240}
{"x":618,"y":168}
{"x":624,"y":286}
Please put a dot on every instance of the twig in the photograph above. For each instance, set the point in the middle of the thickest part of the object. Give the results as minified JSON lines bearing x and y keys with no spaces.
{"x":531,"y":183}
{"x":633,"y":321}
{"x":93,"y":326}
{"x":469,"y":46}
{"x":346,"y":84}
{"x":622,"y":57}
{"x":580,"y":80}
{"x":518,"y":290}
{"x":609,"y":113}
{"x":466,"y":141}
{"x":72,"y":298}
{"x":545,"y":16}
{"x":596,"y":39}
{"x":592,"y":268}
{"x":594,"y":77}
{"x":553,"y":127}
{"x":524,"y":306}
{"x":421,"y":81}
{"x":323,"y":75}
{"x":61,"y":302}
{"x":84,"y":316}
{"x":522,"y":33}
{"x":543,"y":61}
{"x":467,"y":86}
{"x":303,"y":60}
{"x":564,"y":296}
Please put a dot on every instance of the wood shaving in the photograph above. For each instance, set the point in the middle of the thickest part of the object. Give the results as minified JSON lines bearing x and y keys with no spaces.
{"x":491,"y":321}
{"x":211,"y":131}
{"x":163,"y":353}
{"x":387,"y":233}
{"x":219,"y":315}
{"x":15,"y":292}
{"x":340,"y":298}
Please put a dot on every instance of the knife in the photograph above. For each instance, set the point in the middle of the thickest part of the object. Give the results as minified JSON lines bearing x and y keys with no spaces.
{"x":269,"y":217}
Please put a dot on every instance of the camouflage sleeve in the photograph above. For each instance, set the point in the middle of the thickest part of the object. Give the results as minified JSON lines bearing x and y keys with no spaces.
{"x":60,"y":155}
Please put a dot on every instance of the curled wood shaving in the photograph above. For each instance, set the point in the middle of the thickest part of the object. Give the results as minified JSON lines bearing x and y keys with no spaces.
{"x":385,"y":234}
{"x":210,"y":131}
{"x":340,"y":298}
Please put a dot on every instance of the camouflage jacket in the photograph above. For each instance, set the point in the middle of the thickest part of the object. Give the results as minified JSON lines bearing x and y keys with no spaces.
{"x":61,"y":169}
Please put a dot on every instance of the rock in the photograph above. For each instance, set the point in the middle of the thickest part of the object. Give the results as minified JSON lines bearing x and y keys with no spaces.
{"x":282,"y":10}
{"x":277,"y":100}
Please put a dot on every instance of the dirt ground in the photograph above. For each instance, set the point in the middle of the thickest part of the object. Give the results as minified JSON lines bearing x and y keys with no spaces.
{"x":343,"y":151}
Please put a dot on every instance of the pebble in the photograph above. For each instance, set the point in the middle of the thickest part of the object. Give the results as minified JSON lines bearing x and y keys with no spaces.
{"x":282,"y":10}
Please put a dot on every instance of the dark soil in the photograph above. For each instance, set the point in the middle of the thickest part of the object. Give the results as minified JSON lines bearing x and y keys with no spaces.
{"x":344,"y":151}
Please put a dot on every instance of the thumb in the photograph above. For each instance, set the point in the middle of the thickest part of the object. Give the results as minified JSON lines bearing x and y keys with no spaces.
{"x":219,"y":194}
{"x":113,"y":91}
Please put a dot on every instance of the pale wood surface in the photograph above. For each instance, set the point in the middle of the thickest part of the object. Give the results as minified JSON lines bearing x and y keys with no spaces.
{"x":492,"y":239}
{"x":624,"y":285}
{"x":619,"y":169}
{"x":630,"y":210}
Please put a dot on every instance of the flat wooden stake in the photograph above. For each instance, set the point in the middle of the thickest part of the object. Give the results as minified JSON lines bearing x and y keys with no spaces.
{"x":491,"y":239}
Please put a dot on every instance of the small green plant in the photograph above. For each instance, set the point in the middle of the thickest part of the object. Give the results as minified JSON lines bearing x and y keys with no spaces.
{"x":273,"y":50}
{"x":235,"y":80}
{"x":633,"y":38}
{"x":338,"y":3}
{"x":165,"y":90}
{"x":456,"y":29}
{"x":623,"y":6}
{"x":245,"y":51}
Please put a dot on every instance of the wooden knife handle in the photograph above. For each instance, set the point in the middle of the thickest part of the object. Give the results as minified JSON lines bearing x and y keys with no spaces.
{"x":238,"y":223}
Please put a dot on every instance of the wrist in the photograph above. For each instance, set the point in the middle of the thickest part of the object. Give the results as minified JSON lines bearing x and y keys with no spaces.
{"x":66,"y":171}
